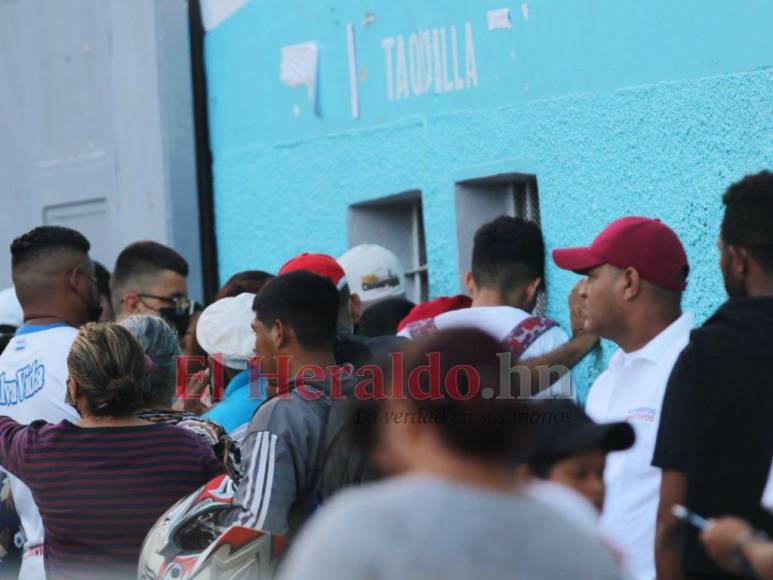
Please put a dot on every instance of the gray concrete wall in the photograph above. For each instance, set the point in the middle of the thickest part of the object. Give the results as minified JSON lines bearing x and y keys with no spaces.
{"x":96,"y":124}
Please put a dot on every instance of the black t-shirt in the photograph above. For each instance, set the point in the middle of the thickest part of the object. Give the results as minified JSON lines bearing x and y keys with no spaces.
{"x":716,"y":424}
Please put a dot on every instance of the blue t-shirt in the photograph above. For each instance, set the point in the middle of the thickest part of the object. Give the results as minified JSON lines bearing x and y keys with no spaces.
{"x":240,"y":400}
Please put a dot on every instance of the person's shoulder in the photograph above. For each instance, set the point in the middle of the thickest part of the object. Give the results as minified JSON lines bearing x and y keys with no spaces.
{"x":736,"y":316}
{"x":50,"y":347}
{"x":180,"y":435}
{"x":504,"y":314}
{"x":363,"y":502}
{"x":598,"y":395}
{"x":575,"y":528}
{"x":68,"y":331}
{"x":284,"y":413}
{"x":62,"y":336}
{"x":565,"y":501}
{"x":549,"y":340}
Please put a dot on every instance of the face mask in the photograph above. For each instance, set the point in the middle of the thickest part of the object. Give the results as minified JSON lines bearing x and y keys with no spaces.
{"x":93,"y":309}
{"x":68,"y":400}
{"x":95,"y":312}
{"x":178,"y":318}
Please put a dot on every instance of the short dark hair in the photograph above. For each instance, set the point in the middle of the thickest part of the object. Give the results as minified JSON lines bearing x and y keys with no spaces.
{"x":304,"y":301}
{"x":103,"y":279}
{"x":382,"y":318}
{"x":748,"y":219}
{"x":145,"y":257}
{"x":507,"y":253}
{"x":43,"y":240}
{"x":248,"y":281}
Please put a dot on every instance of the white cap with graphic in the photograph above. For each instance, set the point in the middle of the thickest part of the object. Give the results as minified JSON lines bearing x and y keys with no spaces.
{"x":374,"y":273}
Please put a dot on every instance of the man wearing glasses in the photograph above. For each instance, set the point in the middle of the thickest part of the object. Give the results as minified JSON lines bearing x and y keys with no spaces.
{"x":150,"y":278}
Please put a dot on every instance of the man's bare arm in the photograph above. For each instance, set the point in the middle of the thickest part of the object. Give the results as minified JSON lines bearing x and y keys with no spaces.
{"x":550,"y":367}
{"x":668,"y":538}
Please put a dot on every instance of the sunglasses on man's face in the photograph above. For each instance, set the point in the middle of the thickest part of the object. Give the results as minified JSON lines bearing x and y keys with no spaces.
{"x":182,"y":305}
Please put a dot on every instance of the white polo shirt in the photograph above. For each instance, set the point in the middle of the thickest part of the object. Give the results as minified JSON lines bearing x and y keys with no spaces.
{"x":632,"y":390}
{"x":33,"y":384}
{"x":499,"y":321}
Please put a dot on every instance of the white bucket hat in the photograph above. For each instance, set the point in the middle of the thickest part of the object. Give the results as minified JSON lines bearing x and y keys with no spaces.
{"x":225,"y":328}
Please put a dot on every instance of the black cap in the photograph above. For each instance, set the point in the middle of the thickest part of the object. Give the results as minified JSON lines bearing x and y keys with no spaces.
{"x":564,"y":429}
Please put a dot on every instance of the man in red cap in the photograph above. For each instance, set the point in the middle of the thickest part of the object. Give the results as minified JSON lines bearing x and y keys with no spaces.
{"x":327,"y":267}
{"x":348,"y":348}
{"x":636,"y":270}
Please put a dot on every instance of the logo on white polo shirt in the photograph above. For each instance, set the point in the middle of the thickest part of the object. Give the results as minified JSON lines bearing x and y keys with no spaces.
{"x":27,"y":381}
{"x":641,"y":415}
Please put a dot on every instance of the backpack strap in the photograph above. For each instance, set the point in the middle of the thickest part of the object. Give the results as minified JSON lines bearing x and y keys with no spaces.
{"x":422,"y":328}
{"x":526,"y":333}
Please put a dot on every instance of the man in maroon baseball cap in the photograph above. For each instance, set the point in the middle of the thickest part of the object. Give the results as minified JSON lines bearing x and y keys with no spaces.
{"x":636,"y":270}
{"x":648,"y":245}
{"x":631,"y":255}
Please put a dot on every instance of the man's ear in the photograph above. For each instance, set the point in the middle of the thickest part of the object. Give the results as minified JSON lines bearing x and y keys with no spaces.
{"x":130,"y":304}
{"x":531,"y":290}
{"x":631,"y":283}
{"x":355,"y":308}
{"x":739,"y":261}
{"x":75,"y":280}
{"x":469,"y":282}
{"x":281,"y":333}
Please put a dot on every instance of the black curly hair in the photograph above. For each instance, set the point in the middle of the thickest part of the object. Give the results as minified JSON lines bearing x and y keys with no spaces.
{"x":508,"y":252}
{"x":45,"y":239}
{"x":748,"y":220}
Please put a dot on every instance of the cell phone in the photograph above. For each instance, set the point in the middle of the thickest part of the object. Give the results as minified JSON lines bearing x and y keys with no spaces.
{"x":691,"y":518}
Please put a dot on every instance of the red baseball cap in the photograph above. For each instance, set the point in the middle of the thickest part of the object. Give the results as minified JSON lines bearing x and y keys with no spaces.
{"x":434,"y":307}
{"x":319,"y":264}
{"x":646,"y":244}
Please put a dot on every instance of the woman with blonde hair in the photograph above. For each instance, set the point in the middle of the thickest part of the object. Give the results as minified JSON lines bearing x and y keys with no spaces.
{"x":101,"y":483}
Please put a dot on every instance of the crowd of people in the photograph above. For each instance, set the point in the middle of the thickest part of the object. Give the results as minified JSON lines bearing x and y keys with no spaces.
{"x":317,"y":424}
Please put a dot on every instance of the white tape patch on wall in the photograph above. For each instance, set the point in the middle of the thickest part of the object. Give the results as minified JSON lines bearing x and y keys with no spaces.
{"x":299,"y":66}
{"x":215,"y":12}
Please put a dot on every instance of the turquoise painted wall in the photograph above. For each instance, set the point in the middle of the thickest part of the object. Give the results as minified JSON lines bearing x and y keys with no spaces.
{"x":618,"y":106}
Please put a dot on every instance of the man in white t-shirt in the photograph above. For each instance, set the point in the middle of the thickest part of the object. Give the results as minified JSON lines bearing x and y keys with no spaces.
{"x":55,"y":283}
{"x":508,"y":272}
{"x":636,"y":272}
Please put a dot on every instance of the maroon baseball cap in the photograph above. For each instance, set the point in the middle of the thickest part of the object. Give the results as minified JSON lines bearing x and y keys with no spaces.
{"x":646,"y":244}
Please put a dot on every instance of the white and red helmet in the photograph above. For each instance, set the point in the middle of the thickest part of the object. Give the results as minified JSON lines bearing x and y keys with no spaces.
{"x":187,"y":543}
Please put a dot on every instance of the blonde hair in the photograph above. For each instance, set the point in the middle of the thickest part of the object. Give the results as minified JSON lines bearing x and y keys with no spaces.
{"x":108,"y":365}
